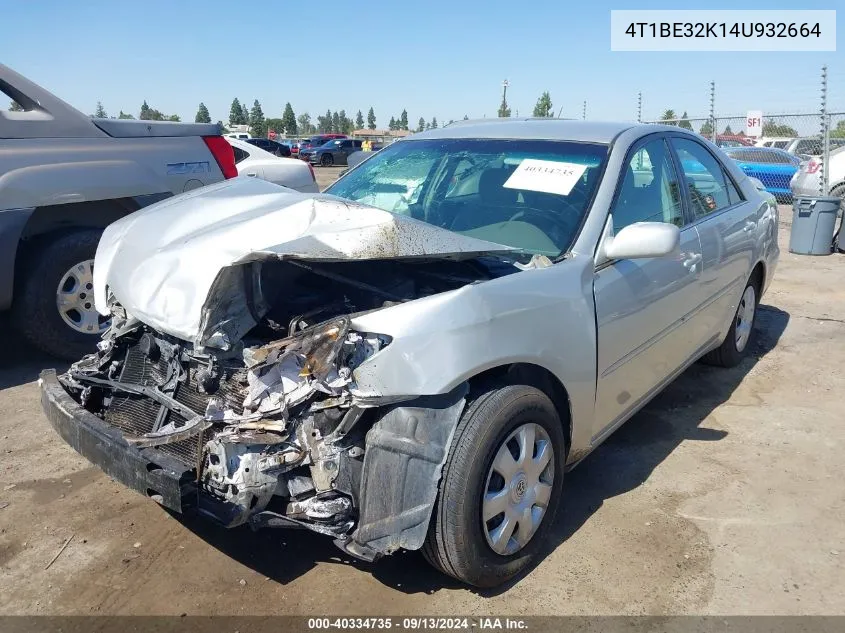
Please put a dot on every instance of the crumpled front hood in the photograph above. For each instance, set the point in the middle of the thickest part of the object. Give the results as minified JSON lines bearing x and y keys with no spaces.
{"x":160,"y":263}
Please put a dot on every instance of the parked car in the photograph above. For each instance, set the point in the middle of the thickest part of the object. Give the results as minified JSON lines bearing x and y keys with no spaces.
{"x":733,"y":140}
{"x":781,"y":142}
{"x":771,"y":166}
{"x":335,"y":152}
{"x":242,"y":136}
{"x":255,"y":162}
{"x":273,"y":147}
{"x":809,"y":147}
{"x":807,"y":180}
{"x":316,"y":141}
{"x":294,"y":148}
{"x":414,"y":358}
{"x":63,"y":178}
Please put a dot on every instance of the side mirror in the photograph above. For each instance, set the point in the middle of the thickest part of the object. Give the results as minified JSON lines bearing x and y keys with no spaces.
{"x":643,"y":239}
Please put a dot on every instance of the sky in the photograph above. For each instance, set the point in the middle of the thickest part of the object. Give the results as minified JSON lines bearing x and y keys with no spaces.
{"x":434,"y":58}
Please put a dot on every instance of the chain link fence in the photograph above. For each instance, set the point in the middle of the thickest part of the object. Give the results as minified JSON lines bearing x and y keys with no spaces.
{"x":812,"y":149}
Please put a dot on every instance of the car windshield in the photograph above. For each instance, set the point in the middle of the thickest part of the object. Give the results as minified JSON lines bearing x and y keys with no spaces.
{"x":531,"y":195}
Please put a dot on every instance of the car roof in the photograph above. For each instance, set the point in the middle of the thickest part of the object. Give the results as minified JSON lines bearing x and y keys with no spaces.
{"x":537,"y":128}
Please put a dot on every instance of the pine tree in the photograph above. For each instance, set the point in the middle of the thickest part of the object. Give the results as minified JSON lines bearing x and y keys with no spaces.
{"x":257,"y":126}
{"x":434,"y":123}
{"x":14,"y":106}
{"x":244,"y":114}
{"x":684,"y":123}
{"x":303,"y":124}
{"x":100,"y":112}
{"x":504,"y":110}
{"x":392,"y":124}
{"x":421,"y":125}
{"x":336,"y":127}
{"x":543,"y":108}
{"x":359,"y":121}
{"x":403,"y":120}
{"x":371,"y":119}
{"x":345,"y":122}
{"x":202,"y":114}
{"x":235,"y":113}
{"x":145,"y":111}
{"x":123,"y":115}
{"x":706,"y":129}
{"x":466,"y":118}
{"x":289,"y":120}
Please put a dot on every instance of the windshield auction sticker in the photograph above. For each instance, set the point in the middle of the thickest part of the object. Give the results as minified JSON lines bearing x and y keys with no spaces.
{"x":711,"y":30}
{"x":545,"y":175}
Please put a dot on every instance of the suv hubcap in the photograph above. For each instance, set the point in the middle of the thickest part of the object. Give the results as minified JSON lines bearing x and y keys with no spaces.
{"x":517,"y":489}
{"x":75,"y":300}
{"x":745,"y":317}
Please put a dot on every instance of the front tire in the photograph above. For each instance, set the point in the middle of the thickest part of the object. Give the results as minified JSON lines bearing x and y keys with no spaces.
{"x":53,"y":308}
{"x":735,"y":346}
{"x":500,"y":488}
{"x":326,"y":160}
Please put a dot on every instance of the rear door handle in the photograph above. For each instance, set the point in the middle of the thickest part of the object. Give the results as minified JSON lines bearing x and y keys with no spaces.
{"x":691,"y":262}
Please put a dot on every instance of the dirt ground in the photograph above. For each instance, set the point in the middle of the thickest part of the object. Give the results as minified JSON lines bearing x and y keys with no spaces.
{"x":724,"y":496}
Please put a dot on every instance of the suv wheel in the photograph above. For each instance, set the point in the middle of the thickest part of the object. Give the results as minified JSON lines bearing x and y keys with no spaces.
{"x":500,"y":488}
{"x":326,"y":160}
{"x":54,"y":306}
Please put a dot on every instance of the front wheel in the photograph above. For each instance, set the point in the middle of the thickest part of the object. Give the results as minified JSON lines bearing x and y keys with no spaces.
{"x":327,"y":160}
{"x":500,"y":488}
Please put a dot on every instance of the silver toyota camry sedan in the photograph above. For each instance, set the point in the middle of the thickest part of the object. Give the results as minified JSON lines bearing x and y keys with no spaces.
{"x":414,"y":358}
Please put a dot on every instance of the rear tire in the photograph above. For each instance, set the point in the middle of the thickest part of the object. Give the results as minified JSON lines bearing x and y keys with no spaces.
{"x":35,"y":311}
{"x":327,"y":160}
{"x":735,"y":346}
{"x":459,"y":542}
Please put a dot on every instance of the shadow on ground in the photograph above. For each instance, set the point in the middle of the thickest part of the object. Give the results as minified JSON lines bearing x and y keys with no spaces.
{"x":621,"y":464}
{"x":20,"y":363}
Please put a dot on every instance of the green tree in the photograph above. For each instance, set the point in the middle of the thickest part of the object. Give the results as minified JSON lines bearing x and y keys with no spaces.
{"x":706,"y":129}
{"x":345,"y":122}
{"x":772,"y":127}
{"x":336,"y":126}
{"x":371,"y":119}
{"x":543,"y":107}
{"x":504,"y":110}
{"x":202,"y":114}
{"x":359,"y":121}
{"x":123,"y":115}
{"x":466,"y":118}
{"x":289,"y":120}
{"x":669,"y":117}
{"x":434,"y":123}
{"x":145,"y":111}
{"x":257,"y":125}
{"x":173,"y":117}
{"x":684,"y":122}
{"x":837,"y":132}
{"x":244,"y":114}
{"x":421,"y":125}
{"x":223,"y":128}
{"x":303,"y":124}
{"x":392,"y":124}
{"x":150,"y":114}
{"x":14,"y":106}
{"x":275,"y":124}
{"x":728,"y":130}
{"x":324,"y":123}
{"x":427,"y":125}
{"x":100,"y":112}
{"x":236,"y":116}
{"x":403,"y":120}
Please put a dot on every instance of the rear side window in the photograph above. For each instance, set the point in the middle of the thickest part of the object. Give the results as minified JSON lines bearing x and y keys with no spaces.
{"x":239,"y":154}
{"x":706,"y":180}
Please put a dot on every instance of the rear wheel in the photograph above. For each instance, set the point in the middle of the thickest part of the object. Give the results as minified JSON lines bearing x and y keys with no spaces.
{"x":735,"y":346}
{"x":54,"y":306}
{"x":327,"y":160}
{"x":500,"y":488}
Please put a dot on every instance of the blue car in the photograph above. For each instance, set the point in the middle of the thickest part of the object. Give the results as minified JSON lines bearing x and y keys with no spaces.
{"x":771,"y":166}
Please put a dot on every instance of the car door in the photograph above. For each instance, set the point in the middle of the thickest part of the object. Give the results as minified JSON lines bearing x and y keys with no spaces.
{"x":644,"y":306}
{"x":726,"y":224}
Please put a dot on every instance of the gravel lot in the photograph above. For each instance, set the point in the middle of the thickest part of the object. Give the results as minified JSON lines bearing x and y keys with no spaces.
{"x":724,"y":496}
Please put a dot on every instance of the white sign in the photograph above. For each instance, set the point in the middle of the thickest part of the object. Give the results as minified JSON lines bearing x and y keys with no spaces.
{"x":545,"y":175}
{"x":754,"y":123}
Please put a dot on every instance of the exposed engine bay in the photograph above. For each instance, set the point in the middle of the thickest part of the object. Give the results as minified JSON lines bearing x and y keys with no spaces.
{"x":271,"y":423}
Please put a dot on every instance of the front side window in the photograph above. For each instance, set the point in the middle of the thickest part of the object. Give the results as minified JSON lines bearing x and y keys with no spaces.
{"x":481,"y":188}
{"x":650,"y":190}
{"x":705,"y":178}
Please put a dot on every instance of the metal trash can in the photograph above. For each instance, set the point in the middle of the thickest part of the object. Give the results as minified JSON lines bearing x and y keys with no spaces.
{"x":813,"y":225}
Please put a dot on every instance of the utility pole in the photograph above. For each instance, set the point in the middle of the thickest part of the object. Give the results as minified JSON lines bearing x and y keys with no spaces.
{"x":639,"y":107}
{"x":505,"y":85}
{"x":823,"y":185}
{"x":713,"y":109}
{"x":584,"y":113}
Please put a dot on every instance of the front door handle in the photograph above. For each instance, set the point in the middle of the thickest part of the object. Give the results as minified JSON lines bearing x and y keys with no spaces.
{"x":749,"y":226}
{"x":692,"y":261}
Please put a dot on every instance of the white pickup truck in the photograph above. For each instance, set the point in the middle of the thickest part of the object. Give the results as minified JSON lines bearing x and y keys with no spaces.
{"x":63,"y":178}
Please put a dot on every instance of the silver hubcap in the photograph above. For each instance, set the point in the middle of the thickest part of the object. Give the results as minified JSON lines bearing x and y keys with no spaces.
{"x":75,"y":300}
{"x":745,"y":318}
{"x":518,"y":489}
